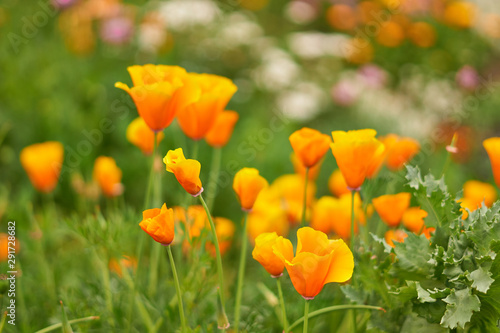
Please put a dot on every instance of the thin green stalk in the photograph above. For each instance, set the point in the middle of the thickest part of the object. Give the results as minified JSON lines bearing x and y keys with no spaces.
{"x":304,"y":207}
{"x":71,"y":322}
{"x":147,"y":201}
{"x":353,"y":193}
{"x":108,"y":296}
{"x":241,"y":274}
{"x":214,"y":177}
{"x":178,"y":289}
{"x":223,"y":323}
{"x":196,"y":146}
{"x":153,"y":269}
{"x":333,"y":308}
{"x":282,"y":302}
{"x":2,"y":323}
{"x":306,"y":316}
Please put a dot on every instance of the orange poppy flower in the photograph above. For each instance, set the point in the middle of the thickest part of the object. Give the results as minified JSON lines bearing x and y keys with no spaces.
{"x":108,"y":176}
{"x":267,"y":215}
{"x":264,"y":254}
{"x":460,"y":14}
{"x":422,"y":34}
{"x":140,"y":135}
{"x":492,"y":146}
{"x":42,"y":162}
{"x":186,"y":171}
{"x":392,"y":236}
{"x":247,"y":184}
{"x":391,"y":207}
{"x":158,"y":93}
{"x":224,"y":228}
{"x":477,"y":192}
{"x":318,"y":261}
{"x":4,"y":246}
{"x":221,"y":131}
{"x":413,"y":219}
{"x":400,"y":151}
{"x":391,"y":34}
{"x":159,"y":224}
{"x":300,"y":169}
{"x":337,"y":184}
{"x":115,"y":265}
{"x":309,"y":145}
{"x":213,"y":93}
{"x":355,"y":152}
{"x":428,"y":232}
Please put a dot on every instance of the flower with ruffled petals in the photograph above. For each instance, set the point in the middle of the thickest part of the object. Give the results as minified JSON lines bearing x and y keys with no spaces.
{"x":247,"y":184}
{"x":43,"y":162}
{"x":264,"y":254}
{"x":400,"y":151}
{"x":391,"y":207}
{"x":213,"y":92}
{"x":318,"y":261}
{"x":159,"y":224}
{"x":355,"y":152}
{"x":186,"y":171}
{"x":108,"y":175}
{"x":309,"y":145}
{"x":413,"y":219}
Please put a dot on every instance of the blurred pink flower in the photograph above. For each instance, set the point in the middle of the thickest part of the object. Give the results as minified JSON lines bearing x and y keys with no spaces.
{"x":373,"y":76}
{"x":61,"y":4}
{"x":468,"y":78}
{"x":345,"y":93}
{"x":117,"y":30}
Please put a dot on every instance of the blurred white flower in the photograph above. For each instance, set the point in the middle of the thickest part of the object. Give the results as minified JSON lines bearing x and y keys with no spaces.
{"x":152,"y":33}
{"x":184,"y":14}
{"x":277,"y":70}
{"x":303,"y":102}
{"x":312,"y":45}
{"x":301,"y":11}
{"x":239,"y":30}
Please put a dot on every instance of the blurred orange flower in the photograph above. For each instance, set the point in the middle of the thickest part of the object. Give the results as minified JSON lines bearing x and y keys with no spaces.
{"x":391,"y":207}
{"x":492,"y":146}
{"x":108,"y":175}
{"x":300,"y":169}
{"x":332,"y":214}
{"x":399,"y":150}
{"x":247,"y":184}
{"x":422,"y":34}
{"x":221,"y":131}
{"x":355,"y":152}
{"x":127,"y":262}
{"x":392,"y":236}
{"x":309,"y":145}
{"x":391,"y":34}
{"x":4,"y":246}
{"x":318,"y":261}
{"x":477,"y":192}
{"x":141,"y":136}
{"x":460,"y":14}
{"x":358,"y":51}
{"x":42,"y":162}
{"x":337,"y":184}
{"x":159,"y":224}
{"x":342,"y":17}
{"x":289,"y":189}
{"x":158,"y":93}
{"x":267,"y":216}
{"x":186,"y":171}
{"x":212,"y":93}
{"x":413,"y":219}
{"x":224,"y":229}
{"x":264,"y":254}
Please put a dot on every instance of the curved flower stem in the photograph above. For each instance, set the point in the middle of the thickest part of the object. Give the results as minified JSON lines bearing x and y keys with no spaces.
{"x":333,"y":308}
{"x":282,"y":302}
{"x":214,"y":175}
{"x":223,"y":323}
{"x":306,"y":316}
{"x":304,"y":207}
{"x":241,"y":273}
{"x":178,"y":289}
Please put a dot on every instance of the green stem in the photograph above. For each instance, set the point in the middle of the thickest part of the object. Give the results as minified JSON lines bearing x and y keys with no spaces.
{"x":306,"y":316}
{"x":196,"y":145}
{"x":2,"y":323}
{"x":333,"y":308}
{"x":223,"y":323}
{"x":304,"y":207}
{"x":353,"y":193}
{"x":178,"y":289}
{"x":153,"y":269}
{"x":59,"y":325}
{"x":214,"y":177}
{"x":147,"y":202}
{"x":241,"y":273}
{"x":282,"y":302}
